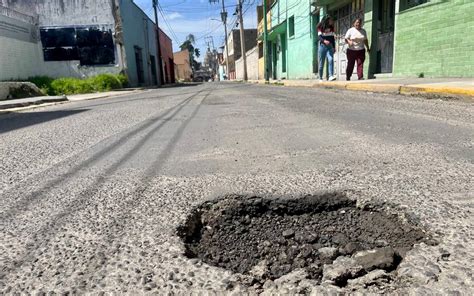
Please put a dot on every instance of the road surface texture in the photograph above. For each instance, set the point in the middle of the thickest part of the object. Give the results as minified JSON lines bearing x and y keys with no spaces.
{"x":92,"y":192}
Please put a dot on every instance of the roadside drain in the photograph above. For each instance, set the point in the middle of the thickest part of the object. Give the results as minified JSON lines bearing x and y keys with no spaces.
{"x":327,"y":237}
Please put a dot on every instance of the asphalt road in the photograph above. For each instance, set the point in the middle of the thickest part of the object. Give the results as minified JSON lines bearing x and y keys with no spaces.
{"x":91,"y":192}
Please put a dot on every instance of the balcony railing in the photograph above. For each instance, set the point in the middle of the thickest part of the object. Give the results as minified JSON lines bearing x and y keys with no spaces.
{"x":8,"y":12}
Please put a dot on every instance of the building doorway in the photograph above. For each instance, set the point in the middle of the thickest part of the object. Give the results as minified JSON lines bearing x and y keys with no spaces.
{"x":153,"y":70}
{"x":344,"y":17}
{"x":139,"y":65}
{"x":275,"y":61}
{"x":283,"y":54}
{"x":385,"y":35}
{"x":171,"y":72}
{"x":315,"y":22}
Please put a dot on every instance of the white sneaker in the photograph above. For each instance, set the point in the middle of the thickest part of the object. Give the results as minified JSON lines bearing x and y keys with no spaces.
{"x":320,"y":81}
{"x":332,"y":78}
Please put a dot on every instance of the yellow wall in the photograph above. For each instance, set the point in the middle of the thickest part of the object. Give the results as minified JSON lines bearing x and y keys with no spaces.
{"x":261,"y":68}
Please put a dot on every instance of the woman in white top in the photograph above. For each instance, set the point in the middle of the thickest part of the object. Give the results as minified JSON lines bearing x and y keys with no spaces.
{"x":356,"y":38}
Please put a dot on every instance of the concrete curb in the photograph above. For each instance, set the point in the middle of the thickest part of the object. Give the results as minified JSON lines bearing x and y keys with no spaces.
{"x":438,"y":90}
{"x":18,"y":103}
{"x":384,"y":88}
{"x":417,"y":89}
{"x":95,"y":96}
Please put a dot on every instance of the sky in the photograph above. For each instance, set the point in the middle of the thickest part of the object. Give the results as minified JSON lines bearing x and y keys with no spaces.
{"x":200,"y":18}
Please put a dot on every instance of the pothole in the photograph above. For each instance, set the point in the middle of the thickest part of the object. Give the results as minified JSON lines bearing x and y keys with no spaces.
{"x":326,"y":236}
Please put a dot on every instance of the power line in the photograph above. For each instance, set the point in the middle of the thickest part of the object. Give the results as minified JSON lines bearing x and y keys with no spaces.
{"x":168,"y":24}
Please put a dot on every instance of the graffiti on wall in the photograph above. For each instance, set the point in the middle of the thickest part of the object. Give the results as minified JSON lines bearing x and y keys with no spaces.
{"x":91,"y":45}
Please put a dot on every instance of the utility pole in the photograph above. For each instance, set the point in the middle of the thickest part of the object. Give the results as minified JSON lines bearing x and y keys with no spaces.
{"x":242,"y":38}
{"x":224,"y":20}
{"x":160,"y":66}
{"x":265,"y":41}
{"x":212,"y":55}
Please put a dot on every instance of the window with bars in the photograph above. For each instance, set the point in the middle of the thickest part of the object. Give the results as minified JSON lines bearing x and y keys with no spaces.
{"x":407,"y":4}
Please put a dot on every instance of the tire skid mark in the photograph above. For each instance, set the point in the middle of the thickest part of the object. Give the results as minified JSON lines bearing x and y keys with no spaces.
{"x":117,"y":225}
{"x":22,"y":204}
{"x":44,"y":235}
{"x":135,"y":98}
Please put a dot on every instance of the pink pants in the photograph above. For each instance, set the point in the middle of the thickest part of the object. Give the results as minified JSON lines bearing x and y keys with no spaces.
{"x":352,"y":57}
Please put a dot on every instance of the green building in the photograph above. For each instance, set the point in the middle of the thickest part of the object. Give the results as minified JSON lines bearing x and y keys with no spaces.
{"x":291,"y":39}
{"x":408,"y":38}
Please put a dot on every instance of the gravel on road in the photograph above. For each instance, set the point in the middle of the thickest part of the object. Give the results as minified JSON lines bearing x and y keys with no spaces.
{"x":92,"y":193}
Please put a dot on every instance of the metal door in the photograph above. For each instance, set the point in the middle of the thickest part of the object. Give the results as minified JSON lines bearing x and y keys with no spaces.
{"x":385,"y":47}
{"x":385,"y":32}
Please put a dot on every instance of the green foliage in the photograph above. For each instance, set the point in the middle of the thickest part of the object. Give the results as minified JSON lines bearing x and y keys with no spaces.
{"x":104,"y":82}
{"x":196,"y":65}
{"x":123,"y":80}
{"x":43,"y":83}
{"x":189,"y":45}
{"x":70,"y":86}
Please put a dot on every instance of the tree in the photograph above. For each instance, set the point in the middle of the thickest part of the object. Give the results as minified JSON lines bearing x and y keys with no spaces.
{"x":189,"y":45}
{"x":197,"y":65}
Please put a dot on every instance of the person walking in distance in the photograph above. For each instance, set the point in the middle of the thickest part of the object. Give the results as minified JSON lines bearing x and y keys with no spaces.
{"x":327,"y":46}
{"x":356,"y":38}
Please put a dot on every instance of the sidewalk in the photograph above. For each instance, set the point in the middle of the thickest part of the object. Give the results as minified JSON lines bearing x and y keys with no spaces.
{"x":21,"y":104}
{"x":18,"y":103}
{"x":444,"y":87}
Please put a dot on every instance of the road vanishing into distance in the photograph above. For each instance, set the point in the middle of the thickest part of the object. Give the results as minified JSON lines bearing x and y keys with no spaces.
{"x":91,"y":192}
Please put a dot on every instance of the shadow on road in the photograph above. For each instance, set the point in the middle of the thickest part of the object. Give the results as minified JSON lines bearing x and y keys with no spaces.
{"x":44,"y":234}
{"x":20,"y":120}
{"x":179,"y":84}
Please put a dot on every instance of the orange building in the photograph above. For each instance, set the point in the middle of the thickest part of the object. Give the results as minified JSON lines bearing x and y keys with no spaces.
{"x":183,"y":71}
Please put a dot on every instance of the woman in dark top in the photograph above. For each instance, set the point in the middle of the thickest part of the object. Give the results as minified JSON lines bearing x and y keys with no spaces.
{"x":327,"y":46}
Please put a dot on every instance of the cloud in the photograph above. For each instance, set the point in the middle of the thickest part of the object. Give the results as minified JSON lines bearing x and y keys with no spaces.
{"x":174,"y":15}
